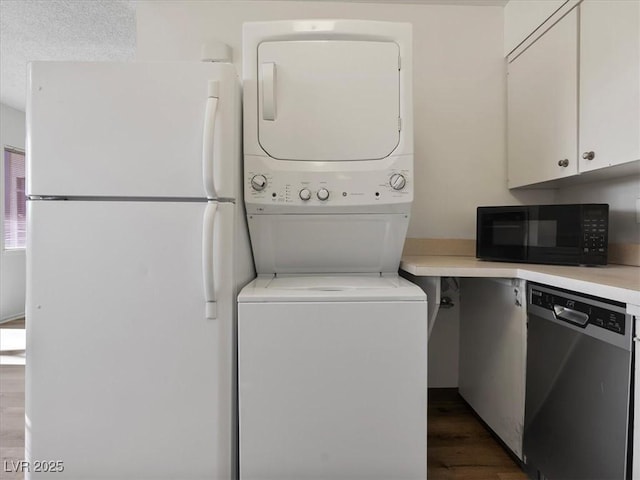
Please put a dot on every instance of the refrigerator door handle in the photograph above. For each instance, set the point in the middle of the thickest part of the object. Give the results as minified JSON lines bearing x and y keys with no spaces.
{"x":208,"y":152}
{"x":208,"y":267}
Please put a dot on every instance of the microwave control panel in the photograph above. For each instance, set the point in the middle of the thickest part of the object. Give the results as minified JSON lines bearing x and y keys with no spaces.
{"x":594,"y":231}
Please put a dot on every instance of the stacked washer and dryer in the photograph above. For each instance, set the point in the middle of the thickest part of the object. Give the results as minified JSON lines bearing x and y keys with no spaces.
{"x":332,"y":343}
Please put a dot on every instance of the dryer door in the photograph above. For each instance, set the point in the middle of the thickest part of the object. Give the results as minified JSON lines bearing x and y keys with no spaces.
{"x":328,"y":100}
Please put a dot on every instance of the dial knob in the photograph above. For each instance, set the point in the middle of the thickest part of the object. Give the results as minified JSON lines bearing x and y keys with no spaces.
{"x":258,"y":182}
{"x":397,"y":181}
{"x":323,"y":194}
{"x":305,"y":194}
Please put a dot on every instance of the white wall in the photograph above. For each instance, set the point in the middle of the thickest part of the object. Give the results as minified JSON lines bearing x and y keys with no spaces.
{"x":459,"y":91}
{"x":12,"y":263}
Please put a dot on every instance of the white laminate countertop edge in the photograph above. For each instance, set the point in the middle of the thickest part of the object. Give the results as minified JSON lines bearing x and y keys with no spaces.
{"x":615,"y":282}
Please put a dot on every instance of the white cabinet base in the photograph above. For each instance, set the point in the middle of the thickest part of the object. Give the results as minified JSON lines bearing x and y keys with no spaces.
{"x":493,"y":344}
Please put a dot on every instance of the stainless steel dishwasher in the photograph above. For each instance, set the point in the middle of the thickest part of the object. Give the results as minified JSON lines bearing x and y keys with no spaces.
{"x":578,"y":387}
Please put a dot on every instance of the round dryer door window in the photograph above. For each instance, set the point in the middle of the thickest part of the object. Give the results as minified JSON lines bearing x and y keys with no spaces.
{"x":329,"y":100}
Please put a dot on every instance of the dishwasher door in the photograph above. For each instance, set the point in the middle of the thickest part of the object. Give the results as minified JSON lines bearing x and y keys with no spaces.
{"x":577,"y":401}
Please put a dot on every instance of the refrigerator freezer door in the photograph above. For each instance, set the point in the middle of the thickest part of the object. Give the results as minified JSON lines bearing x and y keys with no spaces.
{"x":157,"y":130}
{"x":126,"y":377}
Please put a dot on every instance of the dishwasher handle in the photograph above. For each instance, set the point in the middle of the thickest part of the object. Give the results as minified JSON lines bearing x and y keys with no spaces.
{"x":570,"y":315}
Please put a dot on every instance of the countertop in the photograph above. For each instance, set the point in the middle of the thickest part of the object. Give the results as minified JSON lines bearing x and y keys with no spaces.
{"x":615,"y":282}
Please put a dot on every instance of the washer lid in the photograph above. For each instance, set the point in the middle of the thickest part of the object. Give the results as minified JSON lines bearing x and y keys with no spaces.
{"x":327,"y":288}
{"x":322,"y":100}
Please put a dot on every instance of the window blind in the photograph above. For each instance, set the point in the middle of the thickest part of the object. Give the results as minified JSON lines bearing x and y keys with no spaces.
{"x":15,"y":205}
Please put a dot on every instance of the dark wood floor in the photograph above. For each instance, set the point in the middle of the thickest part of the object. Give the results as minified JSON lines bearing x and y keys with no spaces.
{"x":459,"y":446}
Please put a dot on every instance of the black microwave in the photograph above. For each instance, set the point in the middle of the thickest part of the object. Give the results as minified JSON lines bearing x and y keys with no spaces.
{"x":572,"y":234}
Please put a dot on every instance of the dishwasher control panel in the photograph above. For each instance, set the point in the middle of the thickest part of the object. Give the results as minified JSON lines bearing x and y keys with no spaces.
{"x":577,"y":312}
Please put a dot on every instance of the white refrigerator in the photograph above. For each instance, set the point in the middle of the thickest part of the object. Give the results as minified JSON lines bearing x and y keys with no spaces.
{"x":137,"y":248}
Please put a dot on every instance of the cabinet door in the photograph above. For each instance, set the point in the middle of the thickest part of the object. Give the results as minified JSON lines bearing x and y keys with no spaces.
{"x":493,"y":341}
{"x":542,"y":96}
{"x":609,"y":83}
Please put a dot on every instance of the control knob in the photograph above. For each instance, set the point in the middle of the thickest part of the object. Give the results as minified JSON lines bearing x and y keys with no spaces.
{"x":258,"y":182}
{"x":397,"y":181}
{"x":323,"y":194}
{"x":305,"y":194}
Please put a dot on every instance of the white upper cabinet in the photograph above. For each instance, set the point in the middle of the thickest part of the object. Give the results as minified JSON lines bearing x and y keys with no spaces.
{"x":573,"y":95}
{"x":609,"y":83}
{"x":328,"y":100}
{"x":542,"y":107}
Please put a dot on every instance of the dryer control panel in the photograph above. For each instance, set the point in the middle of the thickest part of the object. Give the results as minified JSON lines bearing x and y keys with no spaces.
{"x":267,"y":186}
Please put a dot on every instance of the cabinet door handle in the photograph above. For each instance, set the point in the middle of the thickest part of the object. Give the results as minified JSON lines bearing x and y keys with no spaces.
{"x":563,"y":163}
{"x":588,"y":155}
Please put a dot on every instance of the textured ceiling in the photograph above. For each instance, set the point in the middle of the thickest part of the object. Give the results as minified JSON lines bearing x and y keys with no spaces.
{"x":60,"y":30}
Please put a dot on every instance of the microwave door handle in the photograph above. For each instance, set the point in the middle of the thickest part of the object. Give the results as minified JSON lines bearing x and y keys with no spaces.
{"x":525,"y":233}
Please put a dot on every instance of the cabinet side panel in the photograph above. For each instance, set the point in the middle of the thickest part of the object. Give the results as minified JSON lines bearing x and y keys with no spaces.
{"x":492,"y":355}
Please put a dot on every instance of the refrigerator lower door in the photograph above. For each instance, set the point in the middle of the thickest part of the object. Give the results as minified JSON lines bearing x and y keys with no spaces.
{"x":126,"y":376}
